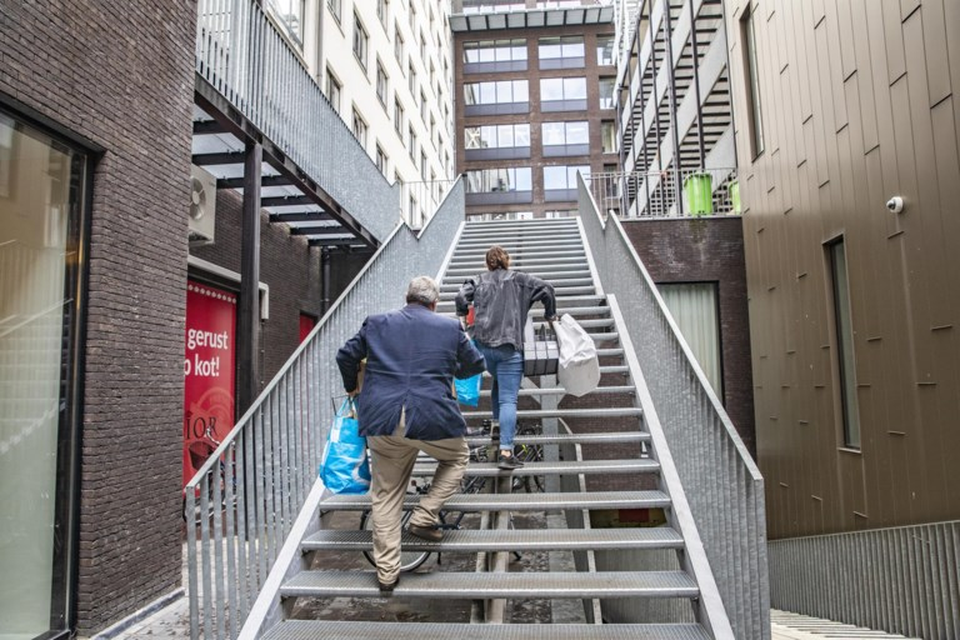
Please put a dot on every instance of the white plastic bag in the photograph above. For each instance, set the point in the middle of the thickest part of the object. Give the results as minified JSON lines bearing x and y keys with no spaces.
{"x":579,"y":371}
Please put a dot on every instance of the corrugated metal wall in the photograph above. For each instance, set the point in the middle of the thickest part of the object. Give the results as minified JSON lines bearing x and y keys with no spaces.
{"x":857,"y":107}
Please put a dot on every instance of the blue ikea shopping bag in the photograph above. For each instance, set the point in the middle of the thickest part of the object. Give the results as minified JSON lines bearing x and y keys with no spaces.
{"x":468,"y":389}
{"x":345,"y":468}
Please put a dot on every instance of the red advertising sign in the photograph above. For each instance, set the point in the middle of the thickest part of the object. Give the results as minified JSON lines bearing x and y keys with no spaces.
{"x":209,"y":373}
{"x":307,"y":323}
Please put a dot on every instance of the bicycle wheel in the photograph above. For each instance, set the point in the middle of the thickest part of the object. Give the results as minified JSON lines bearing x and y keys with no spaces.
{"x":409,"y":560}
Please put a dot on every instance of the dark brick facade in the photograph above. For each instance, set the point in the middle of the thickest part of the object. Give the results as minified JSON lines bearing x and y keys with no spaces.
{"x":708,"y":250}
{"x":124,"y":80}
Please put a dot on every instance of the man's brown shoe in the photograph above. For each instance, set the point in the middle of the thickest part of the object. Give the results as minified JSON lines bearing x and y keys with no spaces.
{"x":387,"y":589}
{"x":426,"y":533}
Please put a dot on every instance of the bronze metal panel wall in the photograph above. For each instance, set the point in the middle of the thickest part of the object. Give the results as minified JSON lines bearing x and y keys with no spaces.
{"x":857,"y":107}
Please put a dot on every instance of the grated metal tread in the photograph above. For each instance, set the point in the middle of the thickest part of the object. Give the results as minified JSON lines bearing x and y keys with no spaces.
{"x":520,"y":501}
{"x":472,"y":540}
{"x":560,"y":391}
{"x":322,"y":630}
{"x":563,"y":467}
{"x":601,"y":412}
{"x":469,"y":586}
{"x":582,"y":438}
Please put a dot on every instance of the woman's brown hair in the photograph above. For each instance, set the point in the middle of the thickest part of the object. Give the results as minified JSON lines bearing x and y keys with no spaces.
{"x":497,"y":258}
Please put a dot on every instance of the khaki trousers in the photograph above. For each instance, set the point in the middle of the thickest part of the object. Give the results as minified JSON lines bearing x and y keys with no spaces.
{"x":391,"y":461}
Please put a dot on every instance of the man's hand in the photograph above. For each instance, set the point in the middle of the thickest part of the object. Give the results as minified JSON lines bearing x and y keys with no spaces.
{"x":354,"y":393}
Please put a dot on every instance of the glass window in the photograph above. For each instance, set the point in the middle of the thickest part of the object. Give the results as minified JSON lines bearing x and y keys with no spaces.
{"x":495,"y":50}
{"x":359,"y":129}
{"x":398,"y":46}
{"x":561,"y":47}
{"x":412,"y":80}
{"x":564,"y":133}
{"x":411,"y":142}
{"x":381,"y":84}
{"x":497,"y":136}
{"x":748,"y":37}
{"x":424,"y":105}
{"x":846,"y":362}
{"x":608,"y":137}
{"x":555,"y":89}
{"x":382,"y":11}
{"x":498,"y":180}
{"x":336,"y":8}
{"x":694,"y":309}
{"x":502,"y":92}
{"x":423,"y":166}
{"x":360,"y":40}
{"x":381,"y":160}
{"x":289,"y":14}
{"x":41,"y":203}
{"x":398,"y":116}
{"x":604,"y":49}
{"x":607,"y":87}
{"x":333,"y":90}
{"x":563,"y":177}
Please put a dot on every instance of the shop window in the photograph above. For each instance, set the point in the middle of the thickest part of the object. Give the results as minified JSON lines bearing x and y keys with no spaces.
{"x":42,"y":199}
{"x":695,"y":309}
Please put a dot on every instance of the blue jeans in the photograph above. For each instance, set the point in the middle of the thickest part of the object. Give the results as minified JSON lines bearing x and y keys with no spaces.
{"x":505,"y":364}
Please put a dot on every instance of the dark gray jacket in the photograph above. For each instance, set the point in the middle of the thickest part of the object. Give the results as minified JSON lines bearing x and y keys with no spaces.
{"x":502,"y":299}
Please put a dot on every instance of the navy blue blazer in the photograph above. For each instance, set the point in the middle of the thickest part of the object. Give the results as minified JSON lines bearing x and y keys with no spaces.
{"x":412,"y":355}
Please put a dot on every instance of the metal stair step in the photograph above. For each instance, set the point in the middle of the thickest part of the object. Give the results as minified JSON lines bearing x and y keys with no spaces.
{"x":325,"y":630}
{"x":467,"y":272}
{"x":469,"y":586}
{"x":599,"y":412}
{"x":559,"y":438}
{"x":605,"y":353}
{"x":524,"y":253}
{"x":520,"y":501}
{"x":560,"y":391}
{"x":502,"y":239}
{"x":543,"y":275}
{"x":519,"y":263}
{"x":472,"y":540}
{"x":516,"y":227}
{"x":560,"y":291}
{"x":605,"y":369}
{"x":563,"y":467}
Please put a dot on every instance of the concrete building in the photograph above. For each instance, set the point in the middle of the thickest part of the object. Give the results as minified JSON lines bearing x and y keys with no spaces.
{"x":534,"y":104}
{"x":847,"y":138}
{"x":385,"y":66}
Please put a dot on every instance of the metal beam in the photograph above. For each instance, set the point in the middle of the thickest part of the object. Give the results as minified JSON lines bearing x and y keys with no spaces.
{"x":248,"y":313}
{"x":286,"y":201}
{"x":305,"y":216}
{"x":227,"y":157}
{"x":312,"y":231}
{"x":265,"y":181}
{"x":335,"y":242}
{"x":207,"y":127}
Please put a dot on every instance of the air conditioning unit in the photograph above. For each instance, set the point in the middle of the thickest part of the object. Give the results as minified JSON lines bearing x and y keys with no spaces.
{"x":203,"y":207}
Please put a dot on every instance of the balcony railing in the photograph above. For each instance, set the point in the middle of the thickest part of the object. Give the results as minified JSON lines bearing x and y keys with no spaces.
{"x":666,"y":194}
{"x":244,"y":56}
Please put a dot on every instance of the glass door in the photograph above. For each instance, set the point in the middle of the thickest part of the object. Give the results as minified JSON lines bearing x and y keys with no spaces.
{"x":41,"y":195}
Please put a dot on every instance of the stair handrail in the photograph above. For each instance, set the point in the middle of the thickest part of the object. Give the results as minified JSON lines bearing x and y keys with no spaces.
{"x":722,"y":483}
{"x":250,"y":491}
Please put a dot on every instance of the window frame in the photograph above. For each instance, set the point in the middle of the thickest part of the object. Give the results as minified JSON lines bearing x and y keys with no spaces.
{"x":363,"y":42}
{"x":752,"y":82}
{"x":850,"y":432}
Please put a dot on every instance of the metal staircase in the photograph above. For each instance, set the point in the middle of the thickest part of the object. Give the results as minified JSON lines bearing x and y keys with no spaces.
{"x":625,"y":467}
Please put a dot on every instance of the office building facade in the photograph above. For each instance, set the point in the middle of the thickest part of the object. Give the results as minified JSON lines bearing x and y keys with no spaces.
{"x":847,"y":138}
{"x":534,"y":105}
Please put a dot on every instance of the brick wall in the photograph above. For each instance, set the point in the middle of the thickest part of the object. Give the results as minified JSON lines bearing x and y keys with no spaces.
{"x":123,"y":79}
{"x":708,"y":250}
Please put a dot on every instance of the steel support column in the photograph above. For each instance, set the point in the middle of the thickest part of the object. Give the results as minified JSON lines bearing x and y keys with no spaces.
{"x":248,"y":313}
{"x":671,"y":75}
{"x":324,"y":280}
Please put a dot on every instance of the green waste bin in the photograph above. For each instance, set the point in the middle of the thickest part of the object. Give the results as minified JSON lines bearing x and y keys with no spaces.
{"x":734,"y":190}
{"x":698,"y":189}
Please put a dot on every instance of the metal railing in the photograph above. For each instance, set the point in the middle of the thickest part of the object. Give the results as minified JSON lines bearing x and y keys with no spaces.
{"x":722,"y":483}
{"x":244,"y":56}
{"x":709,"y":192}
{"x":249,"y":492}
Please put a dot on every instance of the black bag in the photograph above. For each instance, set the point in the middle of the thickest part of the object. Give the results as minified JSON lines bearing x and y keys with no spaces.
{"x":541,"y":354}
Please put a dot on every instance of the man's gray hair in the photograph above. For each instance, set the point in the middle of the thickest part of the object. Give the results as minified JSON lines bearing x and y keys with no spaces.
{"x":423,"y":290}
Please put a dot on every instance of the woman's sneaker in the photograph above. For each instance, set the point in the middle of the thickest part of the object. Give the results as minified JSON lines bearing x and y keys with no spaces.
{"x":508,"y":463}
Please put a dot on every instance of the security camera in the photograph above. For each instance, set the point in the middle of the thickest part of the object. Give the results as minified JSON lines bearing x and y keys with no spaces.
{"x":895,"y":204}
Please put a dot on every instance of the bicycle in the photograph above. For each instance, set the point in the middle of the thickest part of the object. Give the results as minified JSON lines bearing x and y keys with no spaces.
{"x":411,"y":560}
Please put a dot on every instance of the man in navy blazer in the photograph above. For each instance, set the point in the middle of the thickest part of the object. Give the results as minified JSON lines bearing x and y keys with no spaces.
{"x":406,"y":405}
